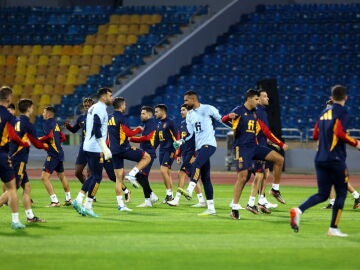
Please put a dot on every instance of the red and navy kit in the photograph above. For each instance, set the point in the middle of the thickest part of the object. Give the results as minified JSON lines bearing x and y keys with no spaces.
{"x":19,"y":155}
{"x":166,"y":134}
{"x":119,"y":132}
{"x":330,"y":130}
{"x":187,"y":149}
{"x":148,"y":139}
{"x":54,"y":137}
{"x":120,"y":147}
{"x":246,"y":146}
{"x":261,"y":115}
{"x":7,"y":133}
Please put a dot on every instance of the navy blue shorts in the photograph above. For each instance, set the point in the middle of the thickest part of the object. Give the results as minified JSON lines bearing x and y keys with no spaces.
{"x":188,"y":159}
{"x":53,"y":164}
{"x":245,"y":155}
{"x":81,"y":158}
{"x":6,"y":169}
{"x":20,"y":173}
{"x":166,"y":158}
{"x":133,"y":154}
{"x":258,"y":166}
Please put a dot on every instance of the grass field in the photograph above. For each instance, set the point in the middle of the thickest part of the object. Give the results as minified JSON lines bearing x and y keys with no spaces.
{"x":176,"y":238}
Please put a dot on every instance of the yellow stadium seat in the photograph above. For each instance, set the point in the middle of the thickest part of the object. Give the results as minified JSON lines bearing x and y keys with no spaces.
{"x":48,"y":89}
{"x":35,"y":98}
{"x":22,"y":60}
{"x":6,"y":50}
{"x":27,"y":89}
{"x":131,"y":39}
{"x":50,"y":78}
{"x":60,"y":79}
{"x":115,"y":19}
{"x":155,"y":18}
{"x":98,"y":50}
{"x":17,"y":50}
{"x":90,"y":40}
{"x":27,"y":49}
{"x":19,"y":79}
{"x":124,"y":19}
{"x":144,"y":29}
{"x":64,"y":60}
{"x":111,"y":39}
{"x":106,"y":60}
{"x":74,"y":69}
{"x":29,"y":79}
{"x":31,"y":69}
{"x":118,"y":49}
{"x":96,"y":60}
{"x":33,"y":60}
{"x":47,"y":49}
{"x":123,"y":29}
{"x":43,"y":60}
{"x":40,"y":78}
{"x":8,"y":79}
{"x":74,"y":59}
{"x":63,"y":69}
{"x":59,"y":89}
{"x":55,"y":99}
{"x":135,"y":19}
{"x":113,"y":29}
{"x":88,"y":50}
{"x":42,"y":70}
{"x":56,"y":50}
{"x":100,"y":39}
{"x":85,"y":60}
{"x":36,"y":50}
{"x":102,"y":29}
{"x":67,"y":50}
{"x":94,"y":69}
{"x":54,"y":60}
{"x":71,"y":79}
{"x":81,"y":79}
{"x":133,"y":29}
{"x":68,"y":89}
{"x":20,"y":70}
{"x":11,"y":60}
{"x":77,"y":49}
{"x":2,"y":60}
{"x":45,"y":100}
{"x":38,"y":89}
{"x":121,"y":39}
{"x":17,"y":89}
{"x":108,"y":49}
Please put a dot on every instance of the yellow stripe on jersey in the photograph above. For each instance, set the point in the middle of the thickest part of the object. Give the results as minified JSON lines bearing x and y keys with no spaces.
{"x":122,"y":135}
{"x":335,"y":138}
{"x":172,"y":136}
{"x":152,"y":139}
{"x":5,"y":137}
{"x":235,"y":122}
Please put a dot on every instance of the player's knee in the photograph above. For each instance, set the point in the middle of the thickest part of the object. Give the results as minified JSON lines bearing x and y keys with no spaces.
{"x":146,"y":157}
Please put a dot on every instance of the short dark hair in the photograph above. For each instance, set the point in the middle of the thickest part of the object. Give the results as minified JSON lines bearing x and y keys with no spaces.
{"x":162,"y":107}
{"x":24,"y":104}
{"x":50,"y":109}
{"x":11,"y":106}
{"x":250,"y":93}
{"x":148,"y":109}
{"x":103,"y":91}
{"x":191,"y":93}
{"x":184,"y":106}
{"x":261,"y":90}
{"x":5,"y":92}
{"x":338,"y":92}
{"x":88,"y":100}
{"x":118,"y":101}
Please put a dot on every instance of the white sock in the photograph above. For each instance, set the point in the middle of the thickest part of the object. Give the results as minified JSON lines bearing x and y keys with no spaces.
{"x":169,"y":192}
{"x":355,"y":195}
{"x":200,"y":198}
{"x":29,"y":213}
{"x":15,"y":217}
{"x":134,"y":171}
{"x":276,"y":186}
{"x":80,"y":197}
{"x":120,"y":201}
{"x":54,"y":198}
{"x":67,"y":196}
{"x":262,"y":200}
{"x":191,"y":187}
{"x":126,"y":191}
{"x":251,"y":201}
{"x":332,"y":201}
{"x":211,"y":205}
{"x":88,"y":203}
{"x":235,"y":206}
{"x":177,"y":196}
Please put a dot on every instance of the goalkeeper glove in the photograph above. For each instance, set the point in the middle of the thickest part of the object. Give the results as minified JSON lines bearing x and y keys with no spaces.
{"x":178,"y":143}
{"x":106,"y":151}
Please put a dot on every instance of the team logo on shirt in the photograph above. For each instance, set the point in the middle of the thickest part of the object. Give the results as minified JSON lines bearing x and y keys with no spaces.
{"x":164,"y":125}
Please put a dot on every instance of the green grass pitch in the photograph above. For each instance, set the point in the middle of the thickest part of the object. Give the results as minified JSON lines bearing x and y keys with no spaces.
{"x":166,"y":237}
